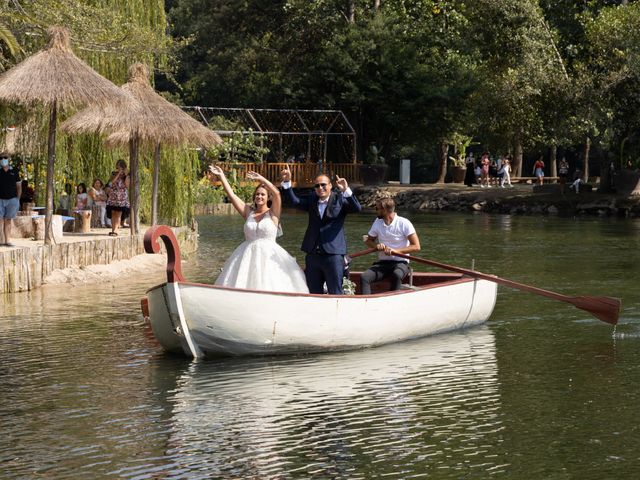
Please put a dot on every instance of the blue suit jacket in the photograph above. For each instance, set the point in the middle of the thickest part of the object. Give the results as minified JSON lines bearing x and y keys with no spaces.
{"x":326,"y":232}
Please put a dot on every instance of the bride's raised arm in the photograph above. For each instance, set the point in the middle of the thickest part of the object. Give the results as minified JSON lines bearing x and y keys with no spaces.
{"x":236,"y":201}
{"x":276,"y":201}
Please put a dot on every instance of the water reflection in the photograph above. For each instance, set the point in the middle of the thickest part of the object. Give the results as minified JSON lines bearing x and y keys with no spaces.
{"x":543,"y":391}
{"x":401,"y":408}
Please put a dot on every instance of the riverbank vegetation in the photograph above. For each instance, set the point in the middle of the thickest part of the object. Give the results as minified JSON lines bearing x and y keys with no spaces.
{"x":518,"y":77}
{"x":522,"y":77}
{"x":109,"y":36}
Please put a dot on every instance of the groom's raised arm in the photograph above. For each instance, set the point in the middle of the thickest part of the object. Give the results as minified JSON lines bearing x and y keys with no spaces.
{"x":351,"y":202}
{"x":287,"y":192}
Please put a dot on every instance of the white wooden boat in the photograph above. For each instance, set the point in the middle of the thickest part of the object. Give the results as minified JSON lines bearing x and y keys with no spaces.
{"x":207,"y":320}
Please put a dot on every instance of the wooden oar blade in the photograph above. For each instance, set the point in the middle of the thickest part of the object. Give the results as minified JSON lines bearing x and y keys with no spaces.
{"x":606,"y":309}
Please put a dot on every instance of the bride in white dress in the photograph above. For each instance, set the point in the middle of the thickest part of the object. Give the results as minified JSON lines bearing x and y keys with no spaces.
{"x":259,"y":263}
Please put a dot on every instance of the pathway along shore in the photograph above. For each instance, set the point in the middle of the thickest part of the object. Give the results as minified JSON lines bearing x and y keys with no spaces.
{"x":520,"y":199}
{"x":81,"y":258}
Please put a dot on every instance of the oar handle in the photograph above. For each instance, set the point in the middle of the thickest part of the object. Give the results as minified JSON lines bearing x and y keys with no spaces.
{"x":363,"y":252}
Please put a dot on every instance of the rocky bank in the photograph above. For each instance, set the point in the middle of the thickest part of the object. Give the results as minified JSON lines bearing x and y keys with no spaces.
{"x":520,"y":199}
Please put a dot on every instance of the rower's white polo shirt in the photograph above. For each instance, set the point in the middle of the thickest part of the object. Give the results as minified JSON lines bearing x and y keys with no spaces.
{"x":395,"y":235}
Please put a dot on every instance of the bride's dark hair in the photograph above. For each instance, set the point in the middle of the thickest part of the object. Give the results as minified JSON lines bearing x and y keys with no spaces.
{"x":264,"y":187}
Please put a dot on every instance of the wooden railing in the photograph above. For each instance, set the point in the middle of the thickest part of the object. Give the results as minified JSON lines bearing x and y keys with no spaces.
{"x":302,"y":174}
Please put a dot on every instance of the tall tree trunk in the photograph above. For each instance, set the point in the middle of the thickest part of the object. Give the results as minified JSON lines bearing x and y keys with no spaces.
{"x":51,"y":160}
{"x":553,"y":160}
{"x":134,"y":186}
{"x":376,"y":4}
{"x":444,"y":152}
{"x":517,"y":157}
{"x":351,"y":11}
{"x":585,"y":162}
{"x":156,"y":181}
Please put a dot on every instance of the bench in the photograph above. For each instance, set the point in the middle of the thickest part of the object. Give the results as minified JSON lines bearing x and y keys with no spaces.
{"x":533,"y":180}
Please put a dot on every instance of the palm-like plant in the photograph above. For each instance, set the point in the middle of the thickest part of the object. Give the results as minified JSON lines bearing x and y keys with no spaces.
{"x":9,"y":41}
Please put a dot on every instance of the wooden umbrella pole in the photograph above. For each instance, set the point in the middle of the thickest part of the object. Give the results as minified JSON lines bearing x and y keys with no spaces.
{"x":134,"y":185}
{"x":606,"y":309}
{"x":51,"y":160}
{"x":156,"y":182}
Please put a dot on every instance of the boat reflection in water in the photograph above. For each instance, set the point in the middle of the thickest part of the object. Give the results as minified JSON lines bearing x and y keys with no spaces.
{"x":398,"y":410}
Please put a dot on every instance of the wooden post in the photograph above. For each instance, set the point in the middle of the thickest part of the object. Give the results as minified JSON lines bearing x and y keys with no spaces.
{"x":82,"y":222}
{"x":134,"y":185}
{"x":51,"y":159}
{"x":156,"y":181}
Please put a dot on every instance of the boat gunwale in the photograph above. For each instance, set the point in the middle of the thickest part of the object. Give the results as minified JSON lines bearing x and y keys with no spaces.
{"x":454,"y":281}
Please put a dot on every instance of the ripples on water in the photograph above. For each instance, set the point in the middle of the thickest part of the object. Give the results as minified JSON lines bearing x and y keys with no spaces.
{"x":541,"y":391}
{"x":396,"y":410}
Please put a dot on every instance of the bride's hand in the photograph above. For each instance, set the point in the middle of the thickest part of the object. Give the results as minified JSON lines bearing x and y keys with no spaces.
{"x":251,"y":175}
{"x":216,"y":170}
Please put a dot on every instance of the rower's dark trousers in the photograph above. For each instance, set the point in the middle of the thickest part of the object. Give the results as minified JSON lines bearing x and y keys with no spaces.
{"x":391,"y":269}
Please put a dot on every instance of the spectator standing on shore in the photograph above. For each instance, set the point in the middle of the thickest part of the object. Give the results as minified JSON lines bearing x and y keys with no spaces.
{"x":563,"y":173}
{"x":493,"y":172}
{"x":98,"y":197}
{"x":538,"y":170}
{"x":470,"y":176}
{"x":484,"y":170}
{"x":505,"y":173}
{"x":118,"y":197}
{"x":10,"y":193}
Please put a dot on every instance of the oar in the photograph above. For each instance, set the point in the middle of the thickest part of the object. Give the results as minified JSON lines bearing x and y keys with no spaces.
{"x":606,"y":309}
{"x":349,"y":256}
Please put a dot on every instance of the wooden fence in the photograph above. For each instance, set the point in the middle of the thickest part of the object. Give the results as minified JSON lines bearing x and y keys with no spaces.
{"x":303,"y":174}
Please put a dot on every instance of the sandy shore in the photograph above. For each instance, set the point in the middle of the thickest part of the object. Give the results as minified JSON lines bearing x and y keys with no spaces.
{"x":101,"y":273}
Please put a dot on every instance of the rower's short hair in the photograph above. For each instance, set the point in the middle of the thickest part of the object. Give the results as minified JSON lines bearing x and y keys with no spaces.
{"x":388,"y":204}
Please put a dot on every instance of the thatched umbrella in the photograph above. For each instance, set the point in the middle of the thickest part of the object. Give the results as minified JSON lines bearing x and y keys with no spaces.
{"x":156,"y":121}
{"x":57,"y":79}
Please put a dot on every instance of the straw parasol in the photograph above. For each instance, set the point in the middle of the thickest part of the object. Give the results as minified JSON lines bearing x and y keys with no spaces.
{"x":153,"y":122}
{"x":57,"y":79}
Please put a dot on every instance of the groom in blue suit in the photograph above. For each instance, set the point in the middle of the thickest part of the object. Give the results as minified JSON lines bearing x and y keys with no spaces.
{"x":324,"y":241}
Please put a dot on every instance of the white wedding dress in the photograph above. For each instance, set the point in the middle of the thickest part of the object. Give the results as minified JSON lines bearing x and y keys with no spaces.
{"x":259,"y":263}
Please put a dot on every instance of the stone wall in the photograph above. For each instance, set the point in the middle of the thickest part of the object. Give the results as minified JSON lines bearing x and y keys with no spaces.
{"x":24,"y":269}
{"x":504,"y":201}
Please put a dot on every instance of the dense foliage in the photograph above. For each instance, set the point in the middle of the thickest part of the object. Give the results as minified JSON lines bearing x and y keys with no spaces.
{"x":109,"y":35}
{"x":522,"y":77}
{"x":516,"y":75}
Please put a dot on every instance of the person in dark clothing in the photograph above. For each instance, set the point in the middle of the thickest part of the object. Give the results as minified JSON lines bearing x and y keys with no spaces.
{"x":324,"y":242}
{"x":10,"y":192}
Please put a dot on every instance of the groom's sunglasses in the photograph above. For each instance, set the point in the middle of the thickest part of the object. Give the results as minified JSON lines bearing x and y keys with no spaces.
{"x":318,"y":185}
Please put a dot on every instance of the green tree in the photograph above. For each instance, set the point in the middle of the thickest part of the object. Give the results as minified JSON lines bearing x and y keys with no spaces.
{"x":109,"y":36}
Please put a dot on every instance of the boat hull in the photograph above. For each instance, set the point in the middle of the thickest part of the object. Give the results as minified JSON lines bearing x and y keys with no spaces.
{"x":205,"y":320}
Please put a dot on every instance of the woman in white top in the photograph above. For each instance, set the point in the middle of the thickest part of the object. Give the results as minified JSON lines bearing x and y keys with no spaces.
{"x":98,"y":197}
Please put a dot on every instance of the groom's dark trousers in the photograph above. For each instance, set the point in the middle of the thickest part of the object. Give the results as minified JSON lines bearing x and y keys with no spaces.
{"x":324,"y":241}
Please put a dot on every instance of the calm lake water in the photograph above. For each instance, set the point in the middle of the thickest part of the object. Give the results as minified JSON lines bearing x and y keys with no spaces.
{"x":542,"y":390}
